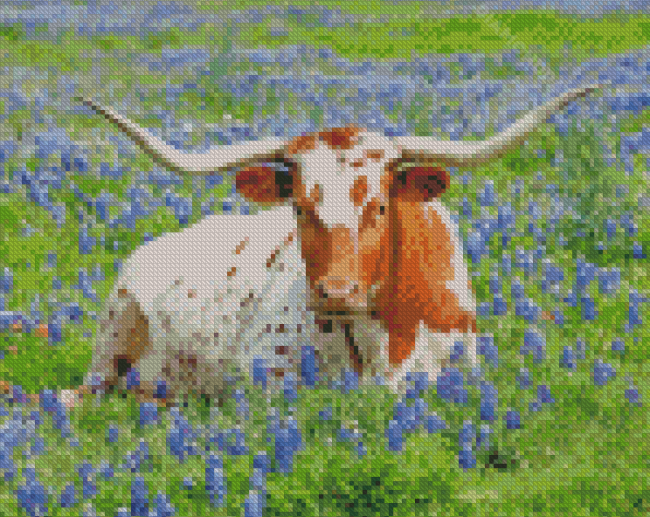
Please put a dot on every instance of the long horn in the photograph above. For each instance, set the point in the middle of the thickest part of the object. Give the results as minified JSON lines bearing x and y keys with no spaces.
{"x":464,"y":154}
{"x":219,"y":159}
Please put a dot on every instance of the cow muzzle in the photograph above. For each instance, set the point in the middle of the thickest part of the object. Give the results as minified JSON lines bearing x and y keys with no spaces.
{"x":340,"y":294}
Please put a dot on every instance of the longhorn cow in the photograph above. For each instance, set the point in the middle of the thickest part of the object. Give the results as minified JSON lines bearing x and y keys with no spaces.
{"x":357,"y":256}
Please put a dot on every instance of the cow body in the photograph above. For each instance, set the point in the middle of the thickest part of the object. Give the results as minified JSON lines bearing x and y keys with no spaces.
{"x":191,"y":306}
{"x":366,"y":238}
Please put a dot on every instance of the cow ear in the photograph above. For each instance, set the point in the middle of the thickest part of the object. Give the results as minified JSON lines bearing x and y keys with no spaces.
{"x":420,"y":184}
{"x":265,"y":184}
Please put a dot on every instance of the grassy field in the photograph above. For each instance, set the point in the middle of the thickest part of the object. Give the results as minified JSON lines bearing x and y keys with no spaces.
{"x":568,"y":434}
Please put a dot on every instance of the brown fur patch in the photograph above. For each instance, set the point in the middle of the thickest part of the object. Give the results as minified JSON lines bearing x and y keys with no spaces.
{"x":415,"y":288}
{"x":301,"y":144}
{"x":340,"y":138}
{"x":359,"y":191}
{"x":258,"y":184}
{"x":374,"y":154}
{"x":240,"y":247}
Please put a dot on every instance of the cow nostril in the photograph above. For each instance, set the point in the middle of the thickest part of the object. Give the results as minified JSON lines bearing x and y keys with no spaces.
{"x":338,"y":289}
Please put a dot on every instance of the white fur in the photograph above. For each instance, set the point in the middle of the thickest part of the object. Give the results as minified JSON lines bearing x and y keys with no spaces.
{"x":432,"y":353}
{"x":245,"y":309}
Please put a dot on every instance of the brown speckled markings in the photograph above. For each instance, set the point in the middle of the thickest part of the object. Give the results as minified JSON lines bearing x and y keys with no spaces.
{"x":125,"y":330}
{"x":373,"y":251}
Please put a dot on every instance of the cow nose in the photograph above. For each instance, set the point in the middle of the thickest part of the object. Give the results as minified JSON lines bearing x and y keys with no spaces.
{"x":281,"y":350}
{"x":336,"y":288}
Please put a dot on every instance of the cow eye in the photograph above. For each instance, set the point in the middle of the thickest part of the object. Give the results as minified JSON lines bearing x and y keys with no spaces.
{"x":284,"y":182}
{"x":382,"y":209}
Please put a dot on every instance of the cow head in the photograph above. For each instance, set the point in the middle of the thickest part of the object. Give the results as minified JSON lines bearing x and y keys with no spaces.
{"x":350,"y":190}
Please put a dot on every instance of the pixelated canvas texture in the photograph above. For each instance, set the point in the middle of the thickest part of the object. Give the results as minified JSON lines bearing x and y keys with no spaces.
{"x":350,"y":259}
